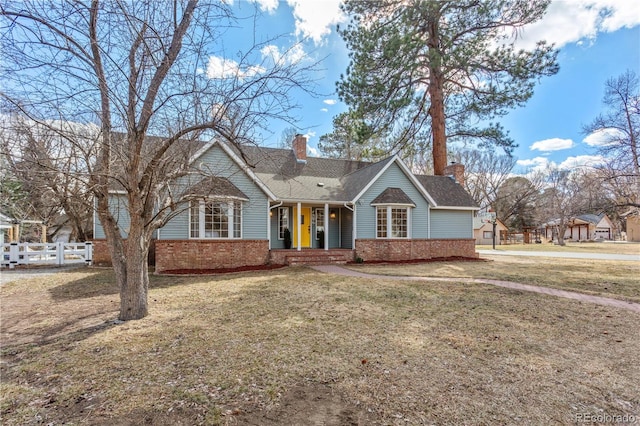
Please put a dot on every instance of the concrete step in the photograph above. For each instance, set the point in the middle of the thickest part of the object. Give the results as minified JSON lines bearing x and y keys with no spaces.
{"x":314,"y":259}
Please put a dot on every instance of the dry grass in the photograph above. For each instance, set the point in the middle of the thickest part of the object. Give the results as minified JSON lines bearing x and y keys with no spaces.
{"x":586,"y":247}
{"x":400,"y":352}
{"x":607,"y":278}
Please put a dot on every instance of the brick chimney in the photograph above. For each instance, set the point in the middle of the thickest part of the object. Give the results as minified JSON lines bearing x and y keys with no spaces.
{"x":456,"y":170}
{"x":300,"y":148}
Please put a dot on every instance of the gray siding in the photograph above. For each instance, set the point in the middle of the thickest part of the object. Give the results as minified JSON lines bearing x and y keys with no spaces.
{"x":451,"y":224}
{"x":334,"y":229}
{"x":346,"y":228}
{"x":275,"y":242}
{"x":254,"y":211}
{"x":118,"y":207}
{"x":393,"y":177}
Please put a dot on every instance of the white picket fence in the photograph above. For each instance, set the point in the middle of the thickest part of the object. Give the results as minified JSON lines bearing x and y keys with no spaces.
{"x":59,"y":254}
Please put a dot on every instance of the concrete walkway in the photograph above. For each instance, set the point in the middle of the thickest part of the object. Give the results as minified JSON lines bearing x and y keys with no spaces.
{"x":605,"y":301}
{"x":568,"y":255}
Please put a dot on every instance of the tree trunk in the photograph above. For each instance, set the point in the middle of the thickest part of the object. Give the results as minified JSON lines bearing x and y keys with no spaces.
{"x":135,"y":286}
{"x":561,"y":229}
{"x":436,"y":97}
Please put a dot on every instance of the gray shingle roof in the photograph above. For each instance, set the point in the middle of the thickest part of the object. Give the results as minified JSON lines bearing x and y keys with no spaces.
{"x":393,"y":196}
{"x":446,"y":192}
{"x":320,"y":179}
{"x":328,"y":179}
{"x":592,"y":218}
{"x":217,"y":187}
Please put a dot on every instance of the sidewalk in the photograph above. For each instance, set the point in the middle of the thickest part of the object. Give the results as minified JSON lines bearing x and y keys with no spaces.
{"x":569,"y":255}
{"x":605,"y":301}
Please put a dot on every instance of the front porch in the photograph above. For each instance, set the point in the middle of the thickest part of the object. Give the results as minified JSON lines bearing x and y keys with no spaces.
{"x":302,"y":226}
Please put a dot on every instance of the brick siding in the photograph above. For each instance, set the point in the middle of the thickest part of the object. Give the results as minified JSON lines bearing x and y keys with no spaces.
{"x":102,"y":256}
{"x":394,"y":250}
{"x":210,"y":254}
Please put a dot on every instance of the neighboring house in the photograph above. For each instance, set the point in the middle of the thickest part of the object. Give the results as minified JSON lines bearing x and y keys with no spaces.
{"x":343,"y":209}
{"x":483,"y":231}
{"x":582,"y":228}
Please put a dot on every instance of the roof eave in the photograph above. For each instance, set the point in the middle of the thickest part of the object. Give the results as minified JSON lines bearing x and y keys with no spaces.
{"x":455,"y":208}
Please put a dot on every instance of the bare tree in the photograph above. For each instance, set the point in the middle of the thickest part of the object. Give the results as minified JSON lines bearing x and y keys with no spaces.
{"x":561,"y":200}
{"x":51,"y":166}
{"x":618,"y":129}
{"x":485,"y":172}
{"x":142,"y":68}
{"x":516,"y":200}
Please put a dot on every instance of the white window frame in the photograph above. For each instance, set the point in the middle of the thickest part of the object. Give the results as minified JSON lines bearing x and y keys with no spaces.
{"x":288,"y":225}
{"x":389,"y":225}
{"x":231,"y":220}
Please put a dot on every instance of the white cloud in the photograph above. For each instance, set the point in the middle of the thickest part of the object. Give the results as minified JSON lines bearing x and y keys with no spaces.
{"x":554,"y":144}
{"x":292,"y":55}
{"x":324,"y":110}
{"x":268,"y":6}
{"x":603,"y":137}
{"x":314,"y":18}
{"x":226,"y":68}
{"x":537,"y":163}
{"x":570,"y":21}
{"x":330,"y":101}
{"x":312,"y":151}
{"x":581,"y":161}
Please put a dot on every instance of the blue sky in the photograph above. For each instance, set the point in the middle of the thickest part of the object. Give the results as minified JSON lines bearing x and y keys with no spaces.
{"x":598,"y":39}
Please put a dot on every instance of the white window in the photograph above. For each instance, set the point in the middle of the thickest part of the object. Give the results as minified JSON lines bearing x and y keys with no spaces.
{"x":319,"y":222}
{"x":392,"y":222}
{"x":487,"y":234}
{"x":216,"y":219}
{"x":283,"y":221}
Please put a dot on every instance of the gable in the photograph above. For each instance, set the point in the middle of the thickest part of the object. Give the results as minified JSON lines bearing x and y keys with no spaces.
{"x":393,"y":176}
{"x":227,"y":180}
{"x":396,"y":164}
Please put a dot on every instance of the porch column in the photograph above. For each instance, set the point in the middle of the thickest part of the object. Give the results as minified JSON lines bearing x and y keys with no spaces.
{"x":298,"y":227}
{"x":326,"y":226}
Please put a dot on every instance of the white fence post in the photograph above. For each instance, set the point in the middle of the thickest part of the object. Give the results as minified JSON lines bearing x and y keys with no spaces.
{"x":14,"y":255}
{"x":88,"y":253}
{"x":59,"y":254}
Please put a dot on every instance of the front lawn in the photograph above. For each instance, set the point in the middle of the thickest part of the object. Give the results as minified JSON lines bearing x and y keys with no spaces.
{"x":607,"y":278}
{"x":586,"y":247}
{"x":295,"y":346}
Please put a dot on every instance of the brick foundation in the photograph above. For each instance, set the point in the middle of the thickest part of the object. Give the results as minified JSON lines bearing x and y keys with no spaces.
{"x":395,"y":250}
{"x":210,"y":254}
{"x":102,"y":257}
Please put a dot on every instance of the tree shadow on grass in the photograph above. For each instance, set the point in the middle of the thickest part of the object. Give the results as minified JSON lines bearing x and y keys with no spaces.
{"x":102,"y":282}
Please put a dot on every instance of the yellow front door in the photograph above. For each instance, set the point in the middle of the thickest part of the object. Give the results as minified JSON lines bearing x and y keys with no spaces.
{"x":305,"y":227}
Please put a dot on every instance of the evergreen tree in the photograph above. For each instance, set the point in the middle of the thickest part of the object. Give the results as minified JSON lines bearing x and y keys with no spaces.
{"x":419,"y":64}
